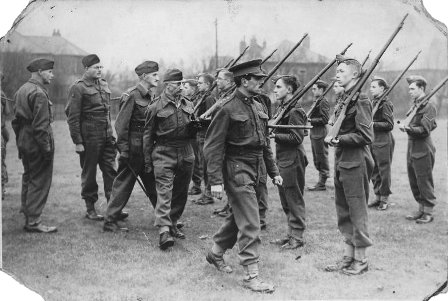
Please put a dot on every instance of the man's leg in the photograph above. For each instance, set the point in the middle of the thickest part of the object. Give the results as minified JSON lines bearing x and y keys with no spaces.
{"x":197,"y":171}
{"x":262,"y":196}
{"x":106,"y":162}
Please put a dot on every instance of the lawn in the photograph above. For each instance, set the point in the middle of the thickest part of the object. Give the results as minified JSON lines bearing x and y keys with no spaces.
{"x":80,"y":262}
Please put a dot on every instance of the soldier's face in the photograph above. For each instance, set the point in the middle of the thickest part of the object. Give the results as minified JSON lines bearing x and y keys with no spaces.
{"x":316,"y":91}
{"x":202,"y":85}
{"x":337,"y":88}
{"x":375,"y":89}
{"x":252,"y":85}
{"x":94,"y":71}
{"x":152,"y":79}
{"x":345,"y":74}
{"x":174,"y":88}
{"x":47,"y":76}
{"x":281,"y":90}
{"x":414,"y":91}
{"x":187,"y":89}
{"x":221,"y":81}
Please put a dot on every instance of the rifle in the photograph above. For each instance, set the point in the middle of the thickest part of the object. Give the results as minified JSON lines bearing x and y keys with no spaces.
{"x":298,"y":94}
{"x":282,"y":60}
{"x":334,"y":131}
{"x":367,"y":57}
{"x":289,"y":126}
{"x":414,"y":109}
{"x":394,"y":83}
{"x":228,"y":64}
{"x":268,"y":57}
{"x":308,"y":115}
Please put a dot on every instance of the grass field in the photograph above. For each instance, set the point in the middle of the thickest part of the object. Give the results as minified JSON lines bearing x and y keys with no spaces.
{"x":80,"y":262}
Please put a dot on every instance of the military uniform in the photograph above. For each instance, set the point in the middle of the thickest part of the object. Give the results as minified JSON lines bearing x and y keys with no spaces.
{"x":130,"y":125}
{"x":198,"y":169}
{"x":35,"y":142}
{"x":5,"y":139}
{"x":421,"y":157}
{"x":383,"y":148}
{"x":235,"y":145}
{"x":167,"y":147}
{"x":319,"y":119}
{"x":88,"y":112}
{"x":353,"y":167}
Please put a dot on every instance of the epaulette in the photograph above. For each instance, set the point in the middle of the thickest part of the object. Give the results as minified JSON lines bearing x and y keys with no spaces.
{"x":227,"y":99}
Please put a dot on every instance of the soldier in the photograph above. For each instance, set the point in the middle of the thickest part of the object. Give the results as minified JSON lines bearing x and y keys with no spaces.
{"x":5,"y":135}
{"x":292,"y":161}
{"x":383,"y":145}
{"x":129,"y":126}
{"x":168,"y":151}
{"x":205,"y":82}
{"x":235,"y":143}
{"x":319,"y":119}
{"x":34,"y":134}
{"x":421,"y":152}
{"x":88,"y":112}
{"x":352,"y":170}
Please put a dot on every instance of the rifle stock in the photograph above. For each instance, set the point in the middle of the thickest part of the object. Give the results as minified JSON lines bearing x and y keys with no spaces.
{"x":334,"y":131}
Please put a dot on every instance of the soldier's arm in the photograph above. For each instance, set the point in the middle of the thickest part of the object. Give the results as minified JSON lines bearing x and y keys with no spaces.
{"x":324,"y":109}
{"x":363,"y":134}
{"x":214,"y":146}
{"x":294,"y":136}
{"x":149,"y":134}
{"x":209,"y":102}
{"x":74,"y":111}
{"x":387,"y":123}
{"x":426,"y":123}
{"x":122,"y":124}
{"x":41,"y":121}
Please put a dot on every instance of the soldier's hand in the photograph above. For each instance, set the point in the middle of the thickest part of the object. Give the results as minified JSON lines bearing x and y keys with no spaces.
{"x":79,"y":148}
{"x":216,"y":191}
{"x":277,"y":180}
{"x":335,"y":142}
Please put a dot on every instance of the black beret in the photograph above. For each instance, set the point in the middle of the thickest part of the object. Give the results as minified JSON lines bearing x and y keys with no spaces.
{"x":173,"y":75}
{"x":147,"y":67}
{"x":322,"y":83}
{"x":414,"y":78}
{"x":380,"y":79}
{"x":250,"y":67}
{"x":90,"y":60}
{"x":40,"y":64}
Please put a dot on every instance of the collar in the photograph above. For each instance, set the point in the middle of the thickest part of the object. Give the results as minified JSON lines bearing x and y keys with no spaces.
{"x":243,"y":97}
{"x":33,"y":81}
{"x":169,"y":99}
{"x":143,"y":91}
{"x":419,"y":99}
{"x":88,"y":81}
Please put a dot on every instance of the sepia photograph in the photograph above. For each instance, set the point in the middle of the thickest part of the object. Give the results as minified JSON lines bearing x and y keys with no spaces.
{"x":224,"y":150}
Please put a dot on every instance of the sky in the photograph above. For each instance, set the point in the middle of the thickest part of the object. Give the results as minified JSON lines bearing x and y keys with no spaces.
{"x":124,"y":33}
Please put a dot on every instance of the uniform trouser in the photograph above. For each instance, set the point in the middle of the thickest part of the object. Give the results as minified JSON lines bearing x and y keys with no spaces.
{"x":36,"y":178}
{"x":4,"y":170}
{"x":420,"y":166}
{"x":173,"y":168}
{"x":200,"y":139}
{"x":262,"y":197}
{"x":382,"y":154}
{"x":99,"y":149}
{"x":198,"y":170}
{"x":351,"y":183}
{"x":320,"y":156}
{"x":291,"y":194}
{"x":242,"y":226}
{"x":125,"y":180}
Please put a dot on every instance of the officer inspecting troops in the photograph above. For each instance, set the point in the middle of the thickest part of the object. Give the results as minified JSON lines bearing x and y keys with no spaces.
{"x":292,"y":161}
{"x":130,"y":125}
{"x":421,"y":152}
{"x":319,"y":119}
{"x":352,"y":171}
{"x":383,"y":144}
{"x":169,"y":154}
{"x":34,"y":135}
{"x":234,"y":145}
{"x":88,"y":112}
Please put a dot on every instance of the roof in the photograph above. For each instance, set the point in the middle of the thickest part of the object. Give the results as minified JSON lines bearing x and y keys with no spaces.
{"x":55,"y":45}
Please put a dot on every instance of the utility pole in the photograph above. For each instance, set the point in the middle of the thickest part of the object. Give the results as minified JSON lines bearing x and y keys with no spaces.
{"x":216,"y":48}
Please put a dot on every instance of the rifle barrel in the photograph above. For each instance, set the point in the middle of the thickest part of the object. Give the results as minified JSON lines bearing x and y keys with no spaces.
{"x":239,"y":57}
{"x":268,"y":57}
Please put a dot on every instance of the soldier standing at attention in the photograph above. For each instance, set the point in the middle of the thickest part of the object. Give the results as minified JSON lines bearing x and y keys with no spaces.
{"x":319,"y":119}
{"x":130,"y":125}
{"x":383,"y":144}
{"x":352,"y":170}
{"x":88,"y":112}
{"x":292,"y":161}
{"x":421,"y":152}
{"x":235,"y":143}
{"x":168,"y":152}
{"x":34,"y":135}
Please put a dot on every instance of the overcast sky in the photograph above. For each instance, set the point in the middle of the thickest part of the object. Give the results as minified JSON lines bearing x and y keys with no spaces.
{"x":124,"y":33}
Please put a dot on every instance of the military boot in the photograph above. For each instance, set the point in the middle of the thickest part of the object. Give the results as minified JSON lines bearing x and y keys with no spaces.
{"x":91,"y":212}
{"x":253,"y":282}
{"x":376,"y":202}
{"x":218,"y":262}
{"x":320,"y":185}
{"x":383,"y":205}
{"x":359,"y":265}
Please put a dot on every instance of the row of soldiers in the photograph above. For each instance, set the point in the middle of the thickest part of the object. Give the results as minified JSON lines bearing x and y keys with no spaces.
{"x":154,"y":141}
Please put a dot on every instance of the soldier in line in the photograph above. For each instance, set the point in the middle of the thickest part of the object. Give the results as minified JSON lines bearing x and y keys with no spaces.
{"x":130,"y":125}
{"x":352,"y":170}
{"x":421,"y":152}
{"x":292,"y":161}
{"x":35,"y":142}
{"x":235,"y":144}
{"x":383,"y":144}
{"x":319,"y":119}
{"x":168,"y":152}
{"x":5,"y":135}
{"x":205,"y":82}
{"x":88,"y":112}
